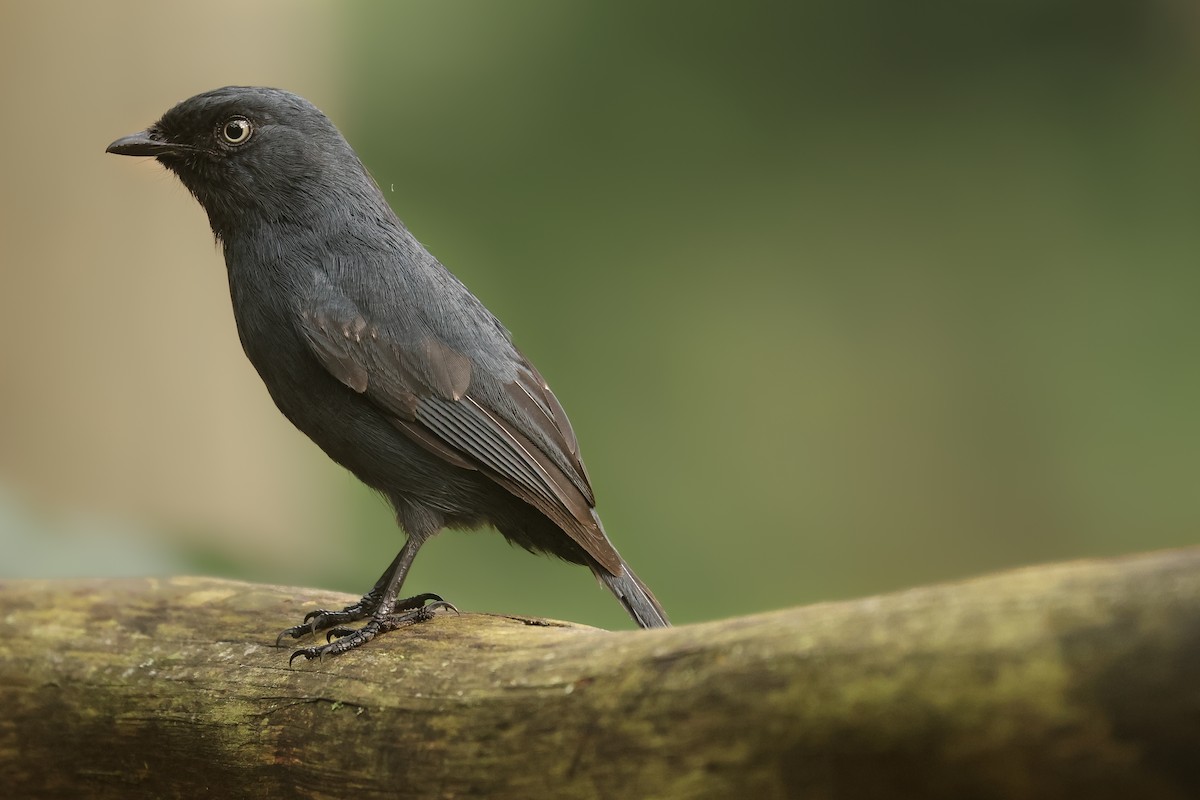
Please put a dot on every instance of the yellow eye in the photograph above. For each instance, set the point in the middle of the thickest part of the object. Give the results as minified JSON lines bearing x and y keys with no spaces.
{"x":236,"y":130}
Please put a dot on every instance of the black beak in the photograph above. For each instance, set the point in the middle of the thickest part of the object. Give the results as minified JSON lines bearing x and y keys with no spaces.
{"x":143,"y":143}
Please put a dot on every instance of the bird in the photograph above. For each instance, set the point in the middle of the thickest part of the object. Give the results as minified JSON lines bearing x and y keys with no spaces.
{"x":379,"y":354}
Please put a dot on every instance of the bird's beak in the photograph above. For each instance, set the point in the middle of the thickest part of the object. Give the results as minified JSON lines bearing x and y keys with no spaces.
{"x":142,"y":143}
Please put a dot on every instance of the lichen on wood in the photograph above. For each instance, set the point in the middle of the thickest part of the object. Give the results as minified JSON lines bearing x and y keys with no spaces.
{"x":1061,"y":681}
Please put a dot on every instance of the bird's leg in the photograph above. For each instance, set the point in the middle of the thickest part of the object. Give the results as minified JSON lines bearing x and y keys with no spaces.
{"x":323,"y":618}
{"x":380,"y":604}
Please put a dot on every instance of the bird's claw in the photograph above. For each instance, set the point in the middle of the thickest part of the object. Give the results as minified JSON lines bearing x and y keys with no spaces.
{"x":322,"y":618}
{"x":339,"y":639}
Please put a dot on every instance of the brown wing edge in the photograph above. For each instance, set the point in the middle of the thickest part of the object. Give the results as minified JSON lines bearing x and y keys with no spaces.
{"x":574,"y":511}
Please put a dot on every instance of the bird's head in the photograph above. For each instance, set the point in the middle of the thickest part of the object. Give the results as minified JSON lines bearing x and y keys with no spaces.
{"x":251,"y":155}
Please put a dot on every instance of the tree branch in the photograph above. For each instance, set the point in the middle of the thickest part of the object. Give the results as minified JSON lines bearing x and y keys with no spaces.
{"x":1064,"y":681}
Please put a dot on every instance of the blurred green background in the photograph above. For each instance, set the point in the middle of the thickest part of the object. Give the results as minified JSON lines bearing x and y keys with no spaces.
{"x":840,"y":297}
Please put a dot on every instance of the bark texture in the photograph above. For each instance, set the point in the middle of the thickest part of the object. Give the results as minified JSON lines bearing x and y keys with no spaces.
{"x":1063,"y":681}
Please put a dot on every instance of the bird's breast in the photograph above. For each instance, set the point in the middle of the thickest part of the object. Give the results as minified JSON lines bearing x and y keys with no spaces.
{"x":265,"y":301}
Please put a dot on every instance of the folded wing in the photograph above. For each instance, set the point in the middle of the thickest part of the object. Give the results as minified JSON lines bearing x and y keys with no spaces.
{"x":517,"y":434}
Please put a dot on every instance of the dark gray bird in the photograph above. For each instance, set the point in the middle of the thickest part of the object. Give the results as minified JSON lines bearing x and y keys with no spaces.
{"x":377,"y":353}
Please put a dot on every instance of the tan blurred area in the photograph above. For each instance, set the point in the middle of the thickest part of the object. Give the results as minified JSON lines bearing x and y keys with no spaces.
{"x":123,"y":386}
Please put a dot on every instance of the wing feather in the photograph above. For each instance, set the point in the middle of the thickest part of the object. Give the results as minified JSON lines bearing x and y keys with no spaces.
{"x":425,"y":385}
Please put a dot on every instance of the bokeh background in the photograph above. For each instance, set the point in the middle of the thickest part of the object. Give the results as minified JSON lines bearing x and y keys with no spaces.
{"x":841,"y":297}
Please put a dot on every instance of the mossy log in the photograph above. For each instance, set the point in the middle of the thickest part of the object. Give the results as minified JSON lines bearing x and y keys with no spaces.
{"x":1063,"y":681}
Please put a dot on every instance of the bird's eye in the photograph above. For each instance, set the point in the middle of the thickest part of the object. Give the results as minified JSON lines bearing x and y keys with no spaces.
{"x":236,"y":130}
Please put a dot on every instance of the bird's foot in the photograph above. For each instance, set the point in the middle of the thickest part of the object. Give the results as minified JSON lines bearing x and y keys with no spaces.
{"x":406,"y":612}
{"x":323,"y":618}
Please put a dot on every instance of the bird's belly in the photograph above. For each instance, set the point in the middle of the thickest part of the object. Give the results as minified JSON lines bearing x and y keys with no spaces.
{"x":358,"y":435}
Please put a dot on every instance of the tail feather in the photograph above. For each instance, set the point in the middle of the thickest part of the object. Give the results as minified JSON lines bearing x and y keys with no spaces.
{"x":637,"y":598}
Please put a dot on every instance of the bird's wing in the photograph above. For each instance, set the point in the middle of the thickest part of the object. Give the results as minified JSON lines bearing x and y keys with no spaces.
{"x":426,"y":388}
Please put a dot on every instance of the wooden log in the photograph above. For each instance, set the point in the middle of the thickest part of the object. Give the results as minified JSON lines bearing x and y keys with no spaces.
{"x":1062,"y":681}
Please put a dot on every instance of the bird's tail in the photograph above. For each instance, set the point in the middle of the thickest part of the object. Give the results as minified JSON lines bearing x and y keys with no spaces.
{"x":637,"y":598}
